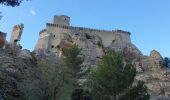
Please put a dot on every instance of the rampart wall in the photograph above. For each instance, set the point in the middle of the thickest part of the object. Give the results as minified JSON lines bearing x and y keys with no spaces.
{"x":57,"y":30}
{"x":54,"y":32}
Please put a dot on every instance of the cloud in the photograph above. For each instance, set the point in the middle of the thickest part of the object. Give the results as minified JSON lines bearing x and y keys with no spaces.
{"x":32,"y":12}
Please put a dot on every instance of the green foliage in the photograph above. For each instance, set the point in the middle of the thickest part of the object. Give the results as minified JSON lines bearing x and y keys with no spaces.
{"x":137,"y":92}
{"x":111,"y":78}
{"x":55,"y":81}
{"x":46,"y":85}
{"x":11,"y":3}
{"x":72,"y":68}
{"x":71,"y":60}
{"x":81,"y":94}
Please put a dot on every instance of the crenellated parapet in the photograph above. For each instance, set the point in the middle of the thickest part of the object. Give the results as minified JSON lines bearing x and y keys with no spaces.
{"x":76,"y":28}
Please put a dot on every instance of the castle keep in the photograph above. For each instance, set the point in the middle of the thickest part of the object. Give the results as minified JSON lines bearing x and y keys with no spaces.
{"x":51,"y":36}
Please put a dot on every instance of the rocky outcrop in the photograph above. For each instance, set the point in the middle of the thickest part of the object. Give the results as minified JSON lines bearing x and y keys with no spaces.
{"x":90,"y":45}
{"x":156,"y":76}
{"x":153,"y":62}
{"x":12,"y":67}
{"x":151,"y":68}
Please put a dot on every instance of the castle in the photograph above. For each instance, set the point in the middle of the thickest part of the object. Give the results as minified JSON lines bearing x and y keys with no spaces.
{"x":50,"y":37}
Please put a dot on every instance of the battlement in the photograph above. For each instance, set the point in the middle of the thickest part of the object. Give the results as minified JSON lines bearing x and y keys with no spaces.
{"x":83,"y":28}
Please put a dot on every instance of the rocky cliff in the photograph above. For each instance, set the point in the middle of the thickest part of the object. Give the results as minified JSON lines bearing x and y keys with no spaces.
{"x":14,"y":63}
{"x":151,"y":69}
{"x":16,"y":67}
{"x":12,"y":66}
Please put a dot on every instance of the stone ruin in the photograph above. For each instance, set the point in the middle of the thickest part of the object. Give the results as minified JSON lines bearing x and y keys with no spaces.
{"x":13,"y":47}
{"x":16,"y":34}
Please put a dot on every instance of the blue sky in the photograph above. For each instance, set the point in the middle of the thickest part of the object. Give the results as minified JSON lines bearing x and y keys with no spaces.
{"x":147,"y":20}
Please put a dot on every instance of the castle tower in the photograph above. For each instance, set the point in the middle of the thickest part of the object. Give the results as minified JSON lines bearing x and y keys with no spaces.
{"x":62,"y":20}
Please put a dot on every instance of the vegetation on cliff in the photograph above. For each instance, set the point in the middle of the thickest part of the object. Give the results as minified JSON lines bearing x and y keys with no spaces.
{"x":114,"y":81}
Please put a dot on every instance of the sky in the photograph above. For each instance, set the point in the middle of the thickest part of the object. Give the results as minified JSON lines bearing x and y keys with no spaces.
{"x":147,"y":20}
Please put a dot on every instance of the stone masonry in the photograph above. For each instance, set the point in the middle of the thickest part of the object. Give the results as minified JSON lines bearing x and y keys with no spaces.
{"x":16,"y":34}
{"x":51,"y":36}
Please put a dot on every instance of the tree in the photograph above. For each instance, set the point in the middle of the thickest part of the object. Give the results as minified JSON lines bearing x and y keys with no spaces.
{"x":111,"y":79}
{"x":81,"y":94}
{"x":46,"y":85}
{"x":72,"y":62}
{"x":137,"y":92}
{"x":11,"y":3}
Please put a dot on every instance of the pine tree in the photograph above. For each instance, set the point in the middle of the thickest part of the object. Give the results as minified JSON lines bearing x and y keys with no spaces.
{"x":111,"y":79}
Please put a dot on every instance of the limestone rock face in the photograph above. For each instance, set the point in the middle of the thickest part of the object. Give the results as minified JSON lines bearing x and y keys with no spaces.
{"x":91,"y":49}
{"x":153,"y":62}
{"x":90,"y":46}
{"x":131,"y":53}
{"x":155,"y":55}
{"x":11,"y":66}
{"x":158,"y":83}
{"x":156,"y":76}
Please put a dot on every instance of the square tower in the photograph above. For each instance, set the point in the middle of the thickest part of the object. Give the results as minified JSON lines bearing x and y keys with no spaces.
{"x":62,"y":20}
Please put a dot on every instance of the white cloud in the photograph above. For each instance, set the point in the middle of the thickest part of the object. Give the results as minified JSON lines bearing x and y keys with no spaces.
{"x":33,"y":12}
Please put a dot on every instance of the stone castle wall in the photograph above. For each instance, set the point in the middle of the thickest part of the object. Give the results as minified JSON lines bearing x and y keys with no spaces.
{"x":52,"y":35}
{"x":43,"y":40}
